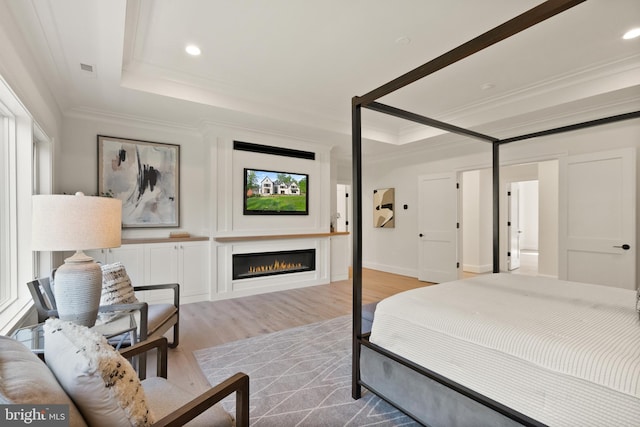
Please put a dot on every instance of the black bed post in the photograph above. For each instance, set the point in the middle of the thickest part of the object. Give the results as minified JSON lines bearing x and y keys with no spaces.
{"x":496,"y":206}
{"x":356,"y":155}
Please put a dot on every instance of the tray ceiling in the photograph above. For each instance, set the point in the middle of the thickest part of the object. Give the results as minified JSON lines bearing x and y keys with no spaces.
{"x":291,"y":67}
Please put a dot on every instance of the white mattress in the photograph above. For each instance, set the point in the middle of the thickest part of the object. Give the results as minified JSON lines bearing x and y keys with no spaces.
{"x":563,"y":353}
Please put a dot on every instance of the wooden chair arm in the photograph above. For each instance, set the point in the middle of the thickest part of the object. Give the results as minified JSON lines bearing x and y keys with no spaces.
{"x":174,"y":286}
{"x":160,"y":343}
{"x":143,"y":307}
{"x":238,"y":383}
{"x":121,"y":307}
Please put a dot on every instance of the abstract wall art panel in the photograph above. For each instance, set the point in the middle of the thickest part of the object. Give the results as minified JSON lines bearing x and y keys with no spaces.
{"x":383,"y":201}
{"x":145,"y":176}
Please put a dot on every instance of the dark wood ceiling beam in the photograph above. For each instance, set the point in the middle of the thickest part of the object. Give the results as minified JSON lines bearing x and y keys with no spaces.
{"x":521,"y":22}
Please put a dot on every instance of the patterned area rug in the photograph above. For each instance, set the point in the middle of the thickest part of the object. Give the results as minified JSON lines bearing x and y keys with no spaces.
{"x":300,"y":377}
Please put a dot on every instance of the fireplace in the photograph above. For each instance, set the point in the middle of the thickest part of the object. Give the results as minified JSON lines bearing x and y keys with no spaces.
{"x":251,"y":265}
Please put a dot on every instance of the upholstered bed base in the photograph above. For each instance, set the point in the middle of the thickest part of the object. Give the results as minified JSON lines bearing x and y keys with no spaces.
{"x":422,"y":398}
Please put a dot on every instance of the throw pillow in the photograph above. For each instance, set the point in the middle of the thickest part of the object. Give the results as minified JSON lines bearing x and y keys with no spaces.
{"x":116,"y":289}
{"x":102,"y":383}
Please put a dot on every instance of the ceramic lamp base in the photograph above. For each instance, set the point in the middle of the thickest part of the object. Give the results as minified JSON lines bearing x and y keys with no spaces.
{"x":77,"y":289}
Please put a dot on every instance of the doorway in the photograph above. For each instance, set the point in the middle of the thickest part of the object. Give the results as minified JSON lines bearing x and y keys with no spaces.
{"x":343,"y":208}
{"x":522,"y":227}
{"x":528,"y":219}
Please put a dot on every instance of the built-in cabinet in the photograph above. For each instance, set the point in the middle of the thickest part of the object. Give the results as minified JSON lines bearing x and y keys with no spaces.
{"x":340,"y":257}
{"x":189,"y":261}
{"x":160,"y":261}
{"x":186,"y":263}
{"x":131,"y":256}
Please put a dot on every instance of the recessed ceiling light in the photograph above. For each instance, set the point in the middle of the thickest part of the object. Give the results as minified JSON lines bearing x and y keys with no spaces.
{"x":631,"y":34}
{"x":403,"y":40}
{"x":192,"y":50}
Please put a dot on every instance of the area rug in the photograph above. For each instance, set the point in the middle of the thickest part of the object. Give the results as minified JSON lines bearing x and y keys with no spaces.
{"x":299,"y":377}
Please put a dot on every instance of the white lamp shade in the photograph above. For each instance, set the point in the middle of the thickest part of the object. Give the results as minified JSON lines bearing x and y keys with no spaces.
{"x":72,"y":223}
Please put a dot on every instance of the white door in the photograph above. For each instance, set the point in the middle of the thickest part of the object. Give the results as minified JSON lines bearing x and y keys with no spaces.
{"x":437,"y":228}
{"x":513,"y":226}
{"x":598,"y":218}
{"x":342,"y":208}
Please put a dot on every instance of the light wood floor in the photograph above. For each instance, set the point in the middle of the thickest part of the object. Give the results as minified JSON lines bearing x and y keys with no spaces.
{"x":211,"y":323}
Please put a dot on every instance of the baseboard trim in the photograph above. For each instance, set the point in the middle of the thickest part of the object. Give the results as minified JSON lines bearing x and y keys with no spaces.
{"x":391,"y":269}
{"x":477,"y":269}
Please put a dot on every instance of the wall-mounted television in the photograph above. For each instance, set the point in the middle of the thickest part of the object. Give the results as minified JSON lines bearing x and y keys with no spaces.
{"x":269,"y":192}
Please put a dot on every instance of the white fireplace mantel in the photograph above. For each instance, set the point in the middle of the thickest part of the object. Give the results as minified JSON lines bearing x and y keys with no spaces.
{"x":227,"y":246}
{"x":227,"y":239}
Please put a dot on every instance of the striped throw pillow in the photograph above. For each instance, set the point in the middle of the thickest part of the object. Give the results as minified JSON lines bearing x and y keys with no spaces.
{"x":116,"y":288}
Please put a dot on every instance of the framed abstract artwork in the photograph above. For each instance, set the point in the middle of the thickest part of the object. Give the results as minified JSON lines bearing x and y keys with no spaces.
{"x":145,"y":176}
{"x":383,"y":214}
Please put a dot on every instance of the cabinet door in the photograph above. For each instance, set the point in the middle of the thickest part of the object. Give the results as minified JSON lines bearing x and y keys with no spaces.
{"x":132,"y":257}
{"x":339,"y":258}
{"x":161,"y":266}
{"x":194,"y":268}
{"x":98,"y":255}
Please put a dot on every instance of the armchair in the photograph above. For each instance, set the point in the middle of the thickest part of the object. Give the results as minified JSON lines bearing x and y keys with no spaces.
{"x":27,"y":380}
{"x":154,"y":320}
{"x":176,"y":406}
{"x":43,"y":298}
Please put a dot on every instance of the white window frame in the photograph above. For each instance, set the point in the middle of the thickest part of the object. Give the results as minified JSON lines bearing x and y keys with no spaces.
{"x":8,"y":241}
{"x":42,"y":183}
{"x":18,"y":265}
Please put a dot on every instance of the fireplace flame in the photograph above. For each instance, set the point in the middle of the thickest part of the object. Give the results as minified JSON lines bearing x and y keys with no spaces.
{"x":276,"y":266}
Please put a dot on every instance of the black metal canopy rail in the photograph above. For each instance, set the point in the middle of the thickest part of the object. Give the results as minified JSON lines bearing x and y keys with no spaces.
{"x":521,"y":22}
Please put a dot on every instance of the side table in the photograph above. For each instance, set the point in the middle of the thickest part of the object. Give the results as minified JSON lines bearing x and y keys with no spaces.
{"x":122,"y":330}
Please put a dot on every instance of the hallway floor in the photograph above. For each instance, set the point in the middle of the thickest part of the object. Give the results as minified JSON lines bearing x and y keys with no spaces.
{"x":528,"y":263}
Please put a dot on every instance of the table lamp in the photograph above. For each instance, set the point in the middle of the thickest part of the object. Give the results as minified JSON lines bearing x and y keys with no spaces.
{"x":76,"y":222}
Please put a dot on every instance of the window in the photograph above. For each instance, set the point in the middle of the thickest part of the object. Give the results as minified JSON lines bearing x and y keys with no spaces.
{"x":25,"y":168}
{"x":7,"y":293}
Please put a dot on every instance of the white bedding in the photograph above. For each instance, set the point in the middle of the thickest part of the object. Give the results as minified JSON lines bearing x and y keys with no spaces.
{"x":563,"y":353}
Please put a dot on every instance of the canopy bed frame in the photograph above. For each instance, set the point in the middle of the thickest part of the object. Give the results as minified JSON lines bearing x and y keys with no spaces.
{"x":454,"y":400}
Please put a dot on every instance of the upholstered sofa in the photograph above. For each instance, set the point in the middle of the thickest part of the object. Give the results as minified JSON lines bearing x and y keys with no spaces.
{"x":72,"y":376}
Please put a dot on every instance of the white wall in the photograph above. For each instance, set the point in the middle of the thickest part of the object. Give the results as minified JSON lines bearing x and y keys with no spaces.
{"x":78,"y":166}
{"x":529,"y":216}
{"x":391,"y":249}
{"x":211,"y":189}
{"x":476,"y":221}
{"x":548,"y":173}
{"x":211,"y":175}
{"x":395,"y":250}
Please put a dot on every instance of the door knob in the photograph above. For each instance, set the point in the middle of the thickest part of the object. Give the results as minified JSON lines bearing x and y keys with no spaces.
{"x":625,"y":247}
{"x":420,"y":234}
